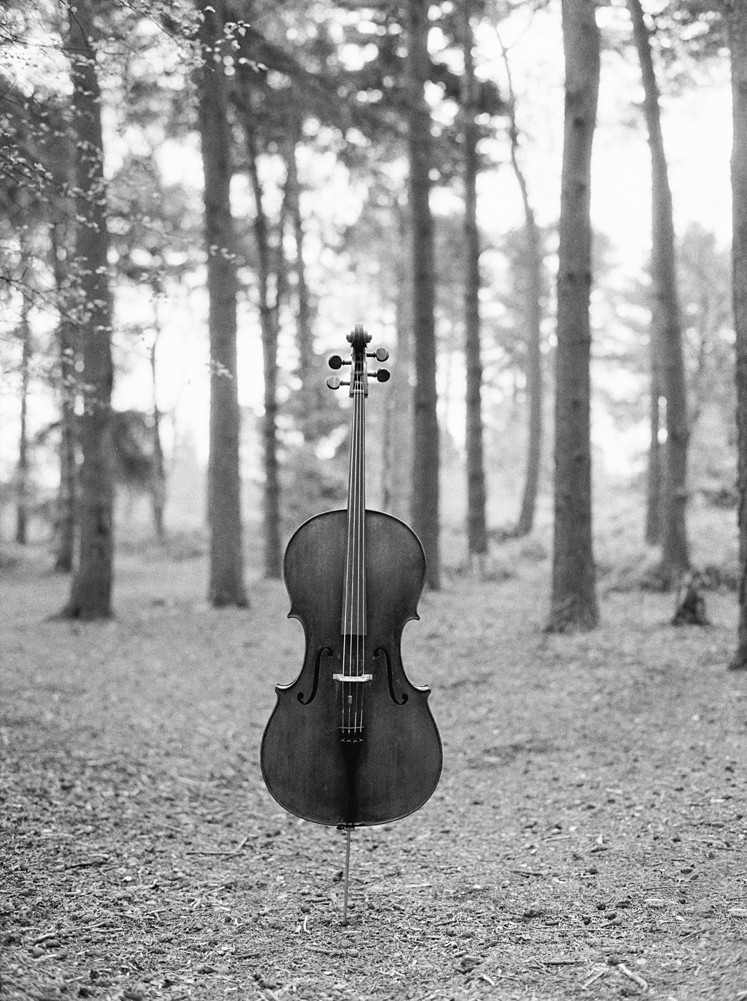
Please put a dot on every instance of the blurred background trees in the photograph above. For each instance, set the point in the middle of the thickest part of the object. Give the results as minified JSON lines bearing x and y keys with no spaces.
{"x":274,"y":173}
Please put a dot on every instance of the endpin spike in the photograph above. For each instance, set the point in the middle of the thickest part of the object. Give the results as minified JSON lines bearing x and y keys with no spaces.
{"x":346,"y":877}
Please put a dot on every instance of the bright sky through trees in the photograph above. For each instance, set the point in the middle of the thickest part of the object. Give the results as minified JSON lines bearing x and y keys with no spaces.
{"x":697,"y":134}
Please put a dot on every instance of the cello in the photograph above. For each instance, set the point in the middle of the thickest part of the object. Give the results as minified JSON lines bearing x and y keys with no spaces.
{"x":352,"y":742}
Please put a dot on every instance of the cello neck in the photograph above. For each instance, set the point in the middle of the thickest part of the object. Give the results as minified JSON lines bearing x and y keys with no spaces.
{"x":354,"y":593}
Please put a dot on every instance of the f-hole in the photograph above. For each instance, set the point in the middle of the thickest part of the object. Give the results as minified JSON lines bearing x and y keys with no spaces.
{"x":300,"y":696}
{"x":404,"y":697}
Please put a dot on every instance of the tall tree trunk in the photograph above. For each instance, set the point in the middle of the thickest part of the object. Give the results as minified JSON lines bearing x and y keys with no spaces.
{"x":22,"y":471}
{"x":158,"y":487}
{"x":533,"y":368}
{"x":477,"y":538}
{"x":269,"y":320}
{"x":224,"y":482}
{"x":425,"y":466}
{"x":304,"y":334}
{"x":67,"y":341}
{"x":398,"y":409}
{"x":91,"y":590}
{"x":666,"y":320}
{"x":653,"y":474}
{"x":574,"y":603}
{"x":737,"y":24}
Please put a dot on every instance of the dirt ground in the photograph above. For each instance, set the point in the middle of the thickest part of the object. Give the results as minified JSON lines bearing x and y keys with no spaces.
{"x":587,"y":839}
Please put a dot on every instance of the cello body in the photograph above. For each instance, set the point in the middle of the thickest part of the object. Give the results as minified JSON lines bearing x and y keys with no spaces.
{"x":314,"y":765}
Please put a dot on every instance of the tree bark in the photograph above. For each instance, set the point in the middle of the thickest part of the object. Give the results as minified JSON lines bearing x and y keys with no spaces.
{"x":158,"y":487}
{"x":226,"y":585}
{"x":305,"y":338}
{"x":269,"y":321}
{"x":67,"y":341}
{"x":91,"y":590}
{"x":653,"y":474}
{"x":397,"y":434}
{"x":574,"y":604}
{"x":477,"y":538}
{"x":22,"y":474}
{"x":737,"y":26}
{"x":425,"y":466}
{"x":667,"y":332}
{"x":533,"y":369}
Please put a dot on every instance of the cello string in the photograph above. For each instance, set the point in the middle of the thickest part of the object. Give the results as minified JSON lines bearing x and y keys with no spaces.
{"x":356,"y":542}
{"x":351,"y":626}
{"x":356,"y":607}
{"x":361,"y":543}
{"x":348,"y":559}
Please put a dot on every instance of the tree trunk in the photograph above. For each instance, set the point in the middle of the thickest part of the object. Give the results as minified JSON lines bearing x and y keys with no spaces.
{"x":737,"y":24}
{"x":574,"y":603}
{"x":425,"y":466}
{"x":533,"y":368}
{"x":396,"y":477}
{"x":224,"y":482}
{"x":666,"y":321}
{"x":158,"y":487}
{"x":477,"y":538}
{"x":67,"y":497}
{"x":22,"y":472}
{"x":269,"y":319}
{"x":91,"y":591}
{"x":653,"y":476}
{"x":304,"y":334}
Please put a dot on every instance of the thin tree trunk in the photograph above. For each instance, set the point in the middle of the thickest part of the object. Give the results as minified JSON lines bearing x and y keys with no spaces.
{"x":737,"y":24}
{"x":574,"y":603}
{"x":398,"y":409}
{"x":158,"y":486}
{"x":533,"y":369}
{"x":425,"y":466}
{"x":22,"y":470}
{"x":653,"y":477}
{"x":304,"y":334}
{"x":67,"y":341}
{"x":477,"y":538}
{"x":666,"y":321}
{"x":269,"y":324}
{"x":91,"y":590}
{"x":224,"y":482}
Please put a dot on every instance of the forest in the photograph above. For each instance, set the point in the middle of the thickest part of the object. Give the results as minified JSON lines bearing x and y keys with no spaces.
{"x":538,"y":211}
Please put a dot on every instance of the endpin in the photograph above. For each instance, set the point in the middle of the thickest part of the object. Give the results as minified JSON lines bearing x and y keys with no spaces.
{"x":346,"y":881}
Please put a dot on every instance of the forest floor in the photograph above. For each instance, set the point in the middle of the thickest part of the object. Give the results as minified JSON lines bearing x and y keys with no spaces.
{"x":587,"y":838}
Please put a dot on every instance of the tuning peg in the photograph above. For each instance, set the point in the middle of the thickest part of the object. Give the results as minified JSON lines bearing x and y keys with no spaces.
{"x":382,"y":374}
{"x":335,"y":362}
{"x":380,"y":354}
{"x":334,"y":382}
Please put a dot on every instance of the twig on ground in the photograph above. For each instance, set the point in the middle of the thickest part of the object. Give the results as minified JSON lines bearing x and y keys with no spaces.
{"x":207,"y":851}
{"x":643,"y":984}
{"x":47,"y":936}
{"x":226,"y":853}
{"x":602,"y":972}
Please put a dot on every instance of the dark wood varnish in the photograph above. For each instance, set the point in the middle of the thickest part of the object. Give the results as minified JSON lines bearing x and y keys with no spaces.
{"x":395,"y":765}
